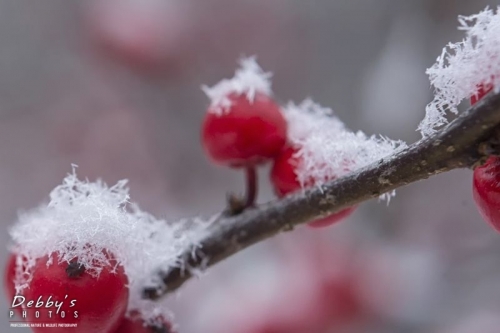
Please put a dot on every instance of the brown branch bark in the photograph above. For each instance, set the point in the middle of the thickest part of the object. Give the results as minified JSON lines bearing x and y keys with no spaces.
{"x":462,"y":144}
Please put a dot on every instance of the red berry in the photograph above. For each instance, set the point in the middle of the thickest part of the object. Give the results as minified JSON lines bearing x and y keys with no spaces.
{"x":482,"y":91}
{"x":142,"y":36}
{"x":486,"y":191}
{"x":136,"y":325}
{"x":248,"y":133}
{"x":94,"y":304}
{"x":284,"y":180}
{"x":338,"y":296}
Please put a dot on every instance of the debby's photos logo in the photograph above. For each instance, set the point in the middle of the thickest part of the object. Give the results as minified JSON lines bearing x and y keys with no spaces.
{"x":43,"y":312}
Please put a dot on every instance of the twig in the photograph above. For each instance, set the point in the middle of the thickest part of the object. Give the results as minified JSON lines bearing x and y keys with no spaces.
{"x":458,"y":145}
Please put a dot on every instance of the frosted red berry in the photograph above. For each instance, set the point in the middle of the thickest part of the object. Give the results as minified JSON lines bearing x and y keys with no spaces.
{"x":486,"y":191}
{"x":284,"y":180}
{"x":248,"y":133}
{"x":137,"y":325}
{"x":95,"y":304}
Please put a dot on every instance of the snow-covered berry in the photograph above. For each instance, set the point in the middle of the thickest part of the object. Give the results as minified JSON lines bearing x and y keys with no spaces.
{"x":93,"y":244}
{"x":464,"y":66}
{"x":243,"y":126}
{"x":320,"y":149}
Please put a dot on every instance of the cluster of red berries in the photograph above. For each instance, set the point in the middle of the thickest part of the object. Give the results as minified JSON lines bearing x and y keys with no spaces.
{"x":252,"y":131}
{"x":66,"y":293}
{"x":486,"y":180}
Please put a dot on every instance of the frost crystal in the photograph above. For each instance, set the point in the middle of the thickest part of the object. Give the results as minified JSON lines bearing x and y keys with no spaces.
{"x":326,"y":149}
{"x":83,"y":218}
{"x":464,"y":66}
{"x":248,"y":79}
{"x":309,"y":117}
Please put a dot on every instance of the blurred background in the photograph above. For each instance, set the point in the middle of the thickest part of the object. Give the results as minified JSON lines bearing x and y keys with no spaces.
{"x":114,"y":87}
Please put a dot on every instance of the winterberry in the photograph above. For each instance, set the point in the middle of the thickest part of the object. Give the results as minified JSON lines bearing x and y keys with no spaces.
{"x":95,"y":304}
{"x":138,"y":35}
{"x":339,"y":298}
{"x":486,"y":190}
{"x":137,"y":325}
{"x":284,"y":180}
{"x":246,"y":133}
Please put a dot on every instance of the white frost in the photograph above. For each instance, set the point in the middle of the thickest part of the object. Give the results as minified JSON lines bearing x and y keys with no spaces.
{"x":309,"y":117}
{"x":326,"y":149}
{"x":463,"y":66}
{"x":248,"y":79}
{"x":83,"y":218}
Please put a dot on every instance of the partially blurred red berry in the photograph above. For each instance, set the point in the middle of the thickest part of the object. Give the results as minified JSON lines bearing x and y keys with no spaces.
{"x":248,"y":133}
{"x":143,"y":35}
{"x":486,"y":190}
{"x":339,"y":297}
{"x":284,"y":180}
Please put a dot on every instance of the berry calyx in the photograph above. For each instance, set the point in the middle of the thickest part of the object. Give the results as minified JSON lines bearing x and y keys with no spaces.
{"x":95,"y":304}
{"x":284,"y":180}
{"x":136,"y":325}
{"x":486,"y":191}
{"x":248,"y":132}
{"x":75,"y":269}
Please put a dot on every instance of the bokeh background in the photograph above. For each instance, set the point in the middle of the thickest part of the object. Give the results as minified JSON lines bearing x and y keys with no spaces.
{"x":114,"y":87}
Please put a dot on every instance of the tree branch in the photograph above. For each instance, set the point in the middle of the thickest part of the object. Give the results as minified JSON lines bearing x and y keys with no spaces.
{"x":463,"y":143}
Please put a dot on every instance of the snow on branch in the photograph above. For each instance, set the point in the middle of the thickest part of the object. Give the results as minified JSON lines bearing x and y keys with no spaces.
{"x":463,"y":67}
{"x":462,"y":143}
{"x":83,"y":218}
{"x":326,"y":149}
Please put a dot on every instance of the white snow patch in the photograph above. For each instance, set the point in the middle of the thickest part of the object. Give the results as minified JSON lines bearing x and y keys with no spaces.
{"x":83,"y":218}
{"x":463,"y":66}
{"x":327,"y":149}
{"x":248,"y":79}
{"x":309,"y":117}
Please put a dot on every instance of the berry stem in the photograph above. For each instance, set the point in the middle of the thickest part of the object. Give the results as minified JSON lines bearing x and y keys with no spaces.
{"x":237,"y":204}
{"x":251,"y":186}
